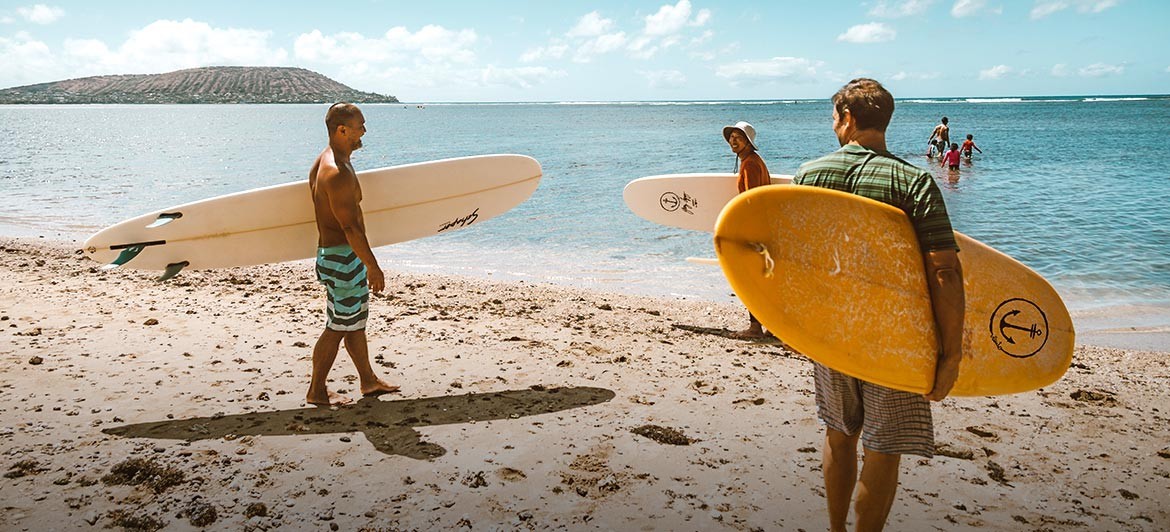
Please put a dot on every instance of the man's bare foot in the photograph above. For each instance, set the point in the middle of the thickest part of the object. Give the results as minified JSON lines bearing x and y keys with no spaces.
{"x":380,"y":387}
{"x":330,"y":399}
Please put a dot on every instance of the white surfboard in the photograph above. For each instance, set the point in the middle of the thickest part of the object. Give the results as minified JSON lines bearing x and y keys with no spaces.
{"x":277,"y":223}
{"x":686,"y":201}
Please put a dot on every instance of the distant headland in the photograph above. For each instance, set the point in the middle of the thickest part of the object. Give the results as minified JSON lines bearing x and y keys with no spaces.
{"x":221,"y":84}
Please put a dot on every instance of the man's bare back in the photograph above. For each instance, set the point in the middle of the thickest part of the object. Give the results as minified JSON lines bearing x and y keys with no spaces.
{"x":324,"y":169}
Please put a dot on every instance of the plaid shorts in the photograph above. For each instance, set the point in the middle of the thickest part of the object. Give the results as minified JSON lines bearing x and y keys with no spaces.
{"x":890,"y":421}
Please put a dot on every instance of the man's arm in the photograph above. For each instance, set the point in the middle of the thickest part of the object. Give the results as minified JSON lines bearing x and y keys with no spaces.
{"x":343,"y":202}
{"x":944,"y":277}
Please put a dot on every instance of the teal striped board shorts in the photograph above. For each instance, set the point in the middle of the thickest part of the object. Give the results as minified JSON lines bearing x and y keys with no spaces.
{"x":344,"y":276}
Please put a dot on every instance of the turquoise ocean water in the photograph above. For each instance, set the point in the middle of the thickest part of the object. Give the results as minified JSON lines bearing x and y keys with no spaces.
{"x":1075,"y":187}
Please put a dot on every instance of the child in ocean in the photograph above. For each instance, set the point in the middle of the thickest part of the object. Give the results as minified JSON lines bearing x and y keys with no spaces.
{"x":967,"y":145}
{"x":951,"y":158}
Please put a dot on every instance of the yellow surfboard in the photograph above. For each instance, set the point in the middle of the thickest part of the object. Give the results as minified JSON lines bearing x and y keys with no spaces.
{"x":840,"y":279}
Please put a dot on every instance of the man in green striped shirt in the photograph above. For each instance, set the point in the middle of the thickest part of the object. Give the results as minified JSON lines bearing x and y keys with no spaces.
{"x":888,"y":422}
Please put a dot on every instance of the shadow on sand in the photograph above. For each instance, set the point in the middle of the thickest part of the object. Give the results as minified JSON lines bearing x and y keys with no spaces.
{"x":389,"y":425}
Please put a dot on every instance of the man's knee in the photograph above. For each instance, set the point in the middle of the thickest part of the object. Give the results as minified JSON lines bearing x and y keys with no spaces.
{"x":840,"y":443}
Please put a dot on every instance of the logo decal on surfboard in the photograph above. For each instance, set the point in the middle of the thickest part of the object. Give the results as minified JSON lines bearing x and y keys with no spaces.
{"x":671,"y":202}
{"x":461,"y":222}
{"x":1019,"y":328}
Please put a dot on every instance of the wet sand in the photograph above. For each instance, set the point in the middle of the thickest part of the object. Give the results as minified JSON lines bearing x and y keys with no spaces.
{"x":129,"y":403}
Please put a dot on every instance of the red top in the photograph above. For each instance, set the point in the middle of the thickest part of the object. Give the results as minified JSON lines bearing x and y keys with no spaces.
{"x":952,"y":158}
{"x":753,"y":173}
{"x":967,"y":145}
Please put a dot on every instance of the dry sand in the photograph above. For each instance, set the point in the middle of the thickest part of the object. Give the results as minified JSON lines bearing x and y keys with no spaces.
{"x":127,"y":402}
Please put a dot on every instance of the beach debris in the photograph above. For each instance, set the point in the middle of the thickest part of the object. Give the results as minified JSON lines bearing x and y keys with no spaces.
{"x":757,"y":401}
{"x":982,"y":433}
{"x":995,"y":472}
{"x":1164,"y":453}
{"x":665,"y":435}
{"x":201,"y":514}
{"x":136,"y":472}
{"x":511,"y":475}
{"x":1128,"y":495}
{"x":35,"y":331}
{"x":949,"y":451}
{"x":704,"y":387}
{"x":24,"y":468}
{"x":605,"y":306}
{"x":150,"y":321}
{"x":475,"y":480}
{"x":137,"y":522}
{"x":1090,"y":396}
{"x":256,"y":509}
{"x":36,"y":361}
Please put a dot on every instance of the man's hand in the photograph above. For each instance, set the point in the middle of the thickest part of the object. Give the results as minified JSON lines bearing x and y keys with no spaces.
{"x":376,"y":279}
{"x":945,"y":374}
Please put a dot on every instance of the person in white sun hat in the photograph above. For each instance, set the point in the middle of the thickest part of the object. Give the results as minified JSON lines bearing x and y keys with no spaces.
{"x":752,"y":173}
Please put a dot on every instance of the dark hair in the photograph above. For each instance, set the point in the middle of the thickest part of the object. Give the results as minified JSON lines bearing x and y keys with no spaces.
{"x":868,"y":101}
{"x":970,"y":136}
{"x":340,"y":114}
{"x":944,"y":120}
{"x":954,"y":145}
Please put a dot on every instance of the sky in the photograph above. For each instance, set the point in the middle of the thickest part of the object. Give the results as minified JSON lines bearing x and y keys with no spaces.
{"x":603,"y":50}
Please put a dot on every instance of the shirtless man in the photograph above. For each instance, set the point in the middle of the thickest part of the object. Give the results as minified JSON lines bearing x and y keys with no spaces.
{"x":345,"y":262}
{"x":940,"y":138}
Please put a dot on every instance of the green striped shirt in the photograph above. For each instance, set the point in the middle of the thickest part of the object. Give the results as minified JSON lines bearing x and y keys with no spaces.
{"x":883,"y":177}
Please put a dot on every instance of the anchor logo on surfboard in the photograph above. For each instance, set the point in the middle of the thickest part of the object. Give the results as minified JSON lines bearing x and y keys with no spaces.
{"x":1019,"y":328}
{"x":671,"y":202}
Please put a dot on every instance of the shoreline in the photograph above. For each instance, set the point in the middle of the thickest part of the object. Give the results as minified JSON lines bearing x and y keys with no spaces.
{"x":519,"y":408}
{"x":1133,"y":325}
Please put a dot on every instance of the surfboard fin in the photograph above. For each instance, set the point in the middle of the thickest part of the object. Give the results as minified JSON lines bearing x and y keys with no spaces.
{"x":125,"y":256}
{"x":165,"y":218}
{"x":172,"y":270}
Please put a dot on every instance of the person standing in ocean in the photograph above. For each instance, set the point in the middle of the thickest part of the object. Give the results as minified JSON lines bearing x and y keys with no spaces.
{"x":939,"y":138}
{"x":345,"y":262}
{"x":888,"y":422}
{"x":753,"y":172}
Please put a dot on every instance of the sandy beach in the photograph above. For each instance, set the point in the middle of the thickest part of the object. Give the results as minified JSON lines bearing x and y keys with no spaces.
{"x":134,"y":404}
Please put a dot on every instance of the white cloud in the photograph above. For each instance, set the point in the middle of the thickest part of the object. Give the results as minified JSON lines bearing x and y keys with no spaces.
{"x":905,"y":8}
{"x":1100,"y":70}
{"x":430,"y":44}
{"x":26,"y":61}
{"x":1060,"y":70}
{"x":599,"y":45}
{"x":41,"y":14}
{"x":672,"y":19}
{"x":591,"y":25}
{"x":775,"y":69}
{"x":665,"y":79}
{"x":918,"y":76}
{"x":995,"y":72}
{"x":1043,"y":8}
{"x":167,"y":45}
{"x":161,"y":46}
{"x":554,"y":50}
{"x":874,"y":32}
{"x":1168,"y":69}
{"x":519,"y":77}
{"x":967,"y":8}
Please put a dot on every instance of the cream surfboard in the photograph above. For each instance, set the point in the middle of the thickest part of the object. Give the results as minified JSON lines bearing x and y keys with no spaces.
{"x":277,"y":223}
{"x":685,"y":201}
{"x":840,"y":279}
